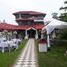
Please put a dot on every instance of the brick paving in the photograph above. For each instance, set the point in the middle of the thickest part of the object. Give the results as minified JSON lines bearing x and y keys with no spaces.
{"x":28,"y":56}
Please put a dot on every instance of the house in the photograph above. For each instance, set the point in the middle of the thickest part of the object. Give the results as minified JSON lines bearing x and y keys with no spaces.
{"x":30,"y":23}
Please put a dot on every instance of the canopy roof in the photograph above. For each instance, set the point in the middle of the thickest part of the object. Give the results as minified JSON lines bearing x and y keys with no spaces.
{"x":54,"y":24}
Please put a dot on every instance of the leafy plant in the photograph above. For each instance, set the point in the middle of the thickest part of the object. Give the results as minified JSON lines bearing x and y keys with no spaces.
{"x":64,"y":34}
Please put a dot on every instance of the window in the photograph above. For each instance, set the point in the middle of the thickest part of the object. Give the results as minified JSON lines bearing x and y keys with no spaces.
{"x":17,"y":16}
{"x":38,"y":22}
{"x":25,"y":16}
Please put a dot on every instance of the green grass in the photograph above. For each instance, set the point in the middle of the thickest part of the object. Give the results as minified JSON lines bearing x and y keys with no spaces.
{"x":53,"y":58}
{"x":8,"y":59}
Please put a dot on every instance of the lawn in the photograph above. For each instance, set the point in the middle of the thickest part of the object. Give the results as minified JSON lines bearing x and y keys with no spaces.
{"x":8,"y":59}
{"x":56,"y":57}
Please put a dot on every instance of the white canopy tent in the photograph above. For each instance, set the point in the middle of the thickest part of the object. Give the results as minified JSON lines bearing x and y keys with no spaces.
{"x":52,"y":25}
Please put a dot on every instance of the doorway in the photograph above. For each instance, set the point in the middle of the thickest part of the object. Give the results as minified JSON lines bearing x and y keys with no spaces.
{"x":31,"y":33}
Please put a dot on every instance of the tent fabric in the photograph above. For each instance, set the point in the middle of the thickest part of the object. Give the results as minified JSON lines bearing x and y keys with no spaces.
{"x":55,"y":24}
{"x":51,"y":26}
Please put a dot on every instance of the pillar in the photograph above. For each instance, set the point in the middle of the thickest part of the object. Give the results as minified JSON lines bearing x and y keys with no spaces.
{"x":42,"y":36}
{"x":36,"y":37}
{"x":48,"y":40}
{"x":26,"y":35}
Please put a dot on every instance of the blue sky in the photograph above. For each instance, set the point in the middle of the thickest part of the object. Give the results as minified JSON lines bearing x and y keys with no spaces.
{"x":7,"y":7}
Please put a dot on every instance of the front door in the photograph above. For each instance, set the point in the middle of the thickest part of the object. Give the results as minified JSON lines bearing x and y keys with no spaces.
{"x":31,"y":33}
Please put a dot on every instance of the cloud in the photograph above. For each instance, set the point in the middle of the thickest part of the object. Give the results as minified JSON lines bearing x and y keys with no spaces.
{"x":7,"y":7}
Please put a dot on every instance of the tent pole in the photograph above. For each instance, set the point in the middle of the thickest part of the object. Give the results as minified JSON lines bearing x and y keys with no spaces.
{"x":48,"y":41}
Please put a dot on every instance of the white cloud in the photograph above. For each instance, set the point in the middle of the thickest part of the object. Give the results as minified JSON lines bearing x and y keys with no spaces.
{"x":7,"y":7}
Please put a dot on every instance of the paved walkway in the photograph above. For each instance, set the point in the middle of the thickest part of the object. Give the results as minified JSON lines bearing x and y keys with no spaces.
{"x":28,"y":56}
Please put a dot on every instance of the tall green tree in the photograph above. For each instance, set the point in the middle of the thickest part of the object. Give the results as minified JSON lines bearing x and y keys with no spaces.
{"x":54,"y":15}
{"x":63,"y":16}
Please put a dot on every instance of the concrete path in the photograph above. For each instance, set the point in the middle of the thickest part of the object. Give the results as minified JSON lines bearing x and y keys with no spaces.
{"x":28,"y":56}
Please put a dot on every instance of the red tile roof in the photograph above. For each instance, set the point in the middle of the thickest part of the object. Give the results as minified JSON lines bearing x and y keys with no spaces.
{"x":26,"y":27}
{"x":6,"y":26}
{"x":38,"y":26}
{"x":22,"y":27}
{"x":28,"y":12}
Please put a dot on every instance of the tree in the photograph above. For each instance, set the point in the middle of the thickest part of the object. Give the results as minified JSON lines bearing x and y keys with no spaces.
{"x":64,"y":34}
{"x":63,"y":16}
{"x":64,"y":8}
{"x":54,"y":15}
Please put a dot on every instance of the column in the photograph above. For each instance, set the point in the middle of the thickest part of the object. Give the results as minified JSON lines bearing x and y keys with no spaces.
{"x":36,"y":37}
{"x":48,"y":40}
{"x":26,"y":35}
{"x":42,"y":36}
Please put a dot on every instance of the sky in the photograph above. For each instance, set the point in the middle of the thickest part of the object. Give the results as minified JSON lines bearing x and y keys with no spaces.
{"x":8,"y":7}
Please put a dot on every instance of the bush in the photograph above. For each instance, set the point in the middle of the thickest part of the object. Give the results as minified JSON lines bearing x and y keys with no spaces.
{"x":64,"y":34}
